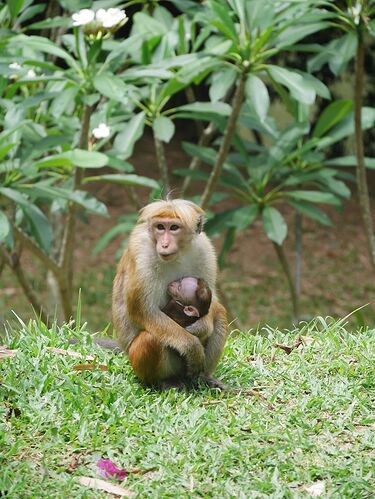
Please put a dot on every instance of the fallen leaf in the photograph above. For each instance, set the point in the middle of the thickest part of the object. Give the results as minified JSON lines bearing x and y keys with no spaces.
{"x":289,"y":349}
{"x":110,"y":470}
{"x":97,"y":483}
{"x":5,"y":352}
{"x":90,"y":367}
{"x":71,"y":353}
{"x":316,"y":489}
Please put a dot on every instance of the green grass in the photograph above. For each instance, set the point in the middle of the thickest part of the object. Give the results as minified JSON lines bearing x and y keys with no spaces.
{"x":313,"y":424}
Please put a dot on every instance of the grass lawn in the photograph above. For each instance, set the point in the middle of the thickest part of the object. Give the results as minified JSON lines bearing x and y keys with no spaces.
{"x":310,"y":429}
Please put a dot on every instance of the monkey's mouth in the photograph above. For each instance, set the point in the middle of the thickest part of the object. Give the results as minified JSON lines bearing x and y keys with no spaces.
{"x":168,"y":256}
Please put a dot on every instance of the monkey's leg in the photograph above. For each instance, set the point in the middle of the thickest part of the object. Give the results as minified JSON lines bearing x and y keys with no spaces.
{"x":153,"y":363}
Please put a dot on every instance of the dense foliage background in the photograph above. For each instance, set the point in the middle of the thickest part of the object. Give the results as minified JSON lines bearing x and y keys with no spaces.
{"x":248,"y":90}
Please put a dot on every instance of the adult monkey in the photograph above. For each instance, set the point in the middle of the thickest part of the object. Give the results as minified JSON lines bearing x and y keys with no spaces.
{"x":166,"y":244}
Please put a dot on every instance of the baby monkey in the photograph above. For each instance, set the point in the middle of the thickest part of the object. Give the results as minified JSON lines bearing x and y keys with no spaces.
{"x":190,"y":299}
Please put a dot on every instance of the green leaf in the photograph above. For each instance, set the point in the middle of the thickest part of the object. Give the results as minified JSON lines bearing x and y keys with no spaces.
{"x":314,"y":197}
{"x":219,"y":222}
{"x":5,"y":149}
{"x":148,"y":72}
{"x":331,"y":115}
{"x":42,"y":44}
{"x":123,"y":179}
{"x":299,"y":87}
{"x":77,"y":157}
{"x":226,"y":24}
{"x":243,"y":217}
{"x":55,"y":22}
{"x":274,"y":225}
{"x":350,"y":161}
{"x":4,"y":226}
{"x":220,"y":108}
{"x":40,"y":227}
{"x":125,"y":140}
{"x":163,"y":128}
{"x":346,"y":126}
{"x":222,"y":81}
{"x":110,"y":86}
{"x":64,"y":102}
{"x":121,"y":228}
{"x":15,"y":7}
{"x":257,"y":94}
{"x":311,"y":211}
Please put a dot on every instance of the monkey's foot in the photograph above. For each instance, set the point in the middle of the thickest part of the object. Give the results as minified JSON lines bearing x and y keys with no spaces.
{"x":211,"y":382}
{"x":167,"y":384}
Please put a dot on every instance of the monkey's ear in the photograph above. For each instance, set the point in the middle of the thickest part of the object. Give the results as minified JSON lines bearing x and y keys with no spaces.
{"x":191,"y":311}
{"x":200,"y":224}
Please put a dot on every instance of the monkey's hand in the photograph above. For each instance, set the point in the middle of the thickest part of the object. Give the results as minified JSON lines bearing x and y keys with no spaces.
{"x":203,"y":327}
{"x":195,"y":357}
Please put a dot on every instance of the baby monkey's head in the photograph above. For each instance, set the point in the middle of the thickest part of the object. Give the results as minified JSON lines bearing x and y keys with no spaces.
{"x":192,"y":295}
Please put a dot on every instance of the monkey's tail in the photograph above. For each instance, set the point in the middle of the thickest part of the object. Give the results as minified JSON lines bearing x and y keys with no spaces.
{"x":106,"y":343}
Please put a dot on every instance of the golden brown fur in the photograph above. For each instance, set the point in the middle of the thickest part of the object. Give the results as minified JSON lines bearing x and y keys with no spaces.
{"x":158,"y":348}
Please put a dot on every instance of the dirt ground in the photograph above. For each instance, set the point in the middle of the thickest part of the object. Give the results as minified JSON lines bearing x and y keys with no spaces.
{"x":336,"y":273}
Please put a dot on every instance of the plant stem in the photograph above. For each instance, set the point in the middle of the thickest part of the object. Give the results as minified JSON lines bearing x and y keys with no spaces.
{"x":205,"y":139}
{"x":162,"y":163}
{"x":190,"y":97}
{"x":67,"y":247}
{"x":298,"y":252}
{"x":226,"y":142}
{"x":13,"y":261}
{"x":285,"y":266}
{"x":363,"y":194}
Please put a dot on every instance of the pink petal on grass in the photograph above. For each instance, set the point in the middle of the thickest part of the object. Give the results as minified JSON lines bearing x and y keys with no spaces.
{"x":110,"y":470}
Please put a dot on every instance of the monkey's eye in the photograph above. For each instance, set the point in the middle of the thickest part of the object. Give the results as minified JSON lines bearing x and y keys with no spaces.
{"x":160,"y":227}
{"x":175,"y":227}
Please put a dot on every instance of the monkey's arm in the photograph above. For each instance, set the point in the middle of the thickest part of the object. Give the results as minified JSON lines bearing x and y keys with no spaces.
{"x":203,"y":327}
{"x":216,"y":341}
{"x":174,"y":336}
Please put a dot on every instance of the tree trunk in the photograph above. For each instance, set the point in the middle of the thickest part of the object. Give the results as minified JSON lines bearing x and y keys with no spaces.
{"x":363,"y":194}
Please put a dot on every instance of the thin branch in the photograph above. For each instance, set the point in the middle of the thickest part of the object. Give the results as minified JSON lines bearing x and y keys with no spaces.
{"x":162,"y":163}
{"x":13,"y":261}
{"x":285,"y":266}
{"x":205,"y":139}
{"x":33,"y":247}
{"x":67,"y":248}
{"x":298,"y":253}
{"x":363,"y":194}
{"x":190,"y":97}
{"x":226,"y":142}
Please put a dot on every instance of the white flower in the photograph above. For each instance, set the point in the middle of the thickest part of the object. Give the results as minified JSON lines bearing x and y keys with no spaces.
{"x":82,"y":17}
{"x":356,"y":12}
{"x":102,"y":131}
{"x":109,"y":18}
{"x":14,"y":65}
{"x":31,"y":74}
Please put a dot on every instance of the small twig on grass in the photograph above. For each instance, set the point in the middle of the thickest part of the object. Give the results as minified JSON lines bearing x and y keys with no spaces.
{"x":289,"y":349}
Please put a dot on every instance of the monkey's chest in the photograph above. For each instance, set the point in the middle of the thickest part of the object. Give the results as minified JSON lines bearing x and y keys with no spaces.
{"x":170,"y":273}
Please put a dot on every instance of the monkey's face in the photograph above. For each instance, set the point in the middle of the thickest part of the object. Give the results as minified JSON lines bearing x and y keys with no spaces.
{"x":169,"y":236}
